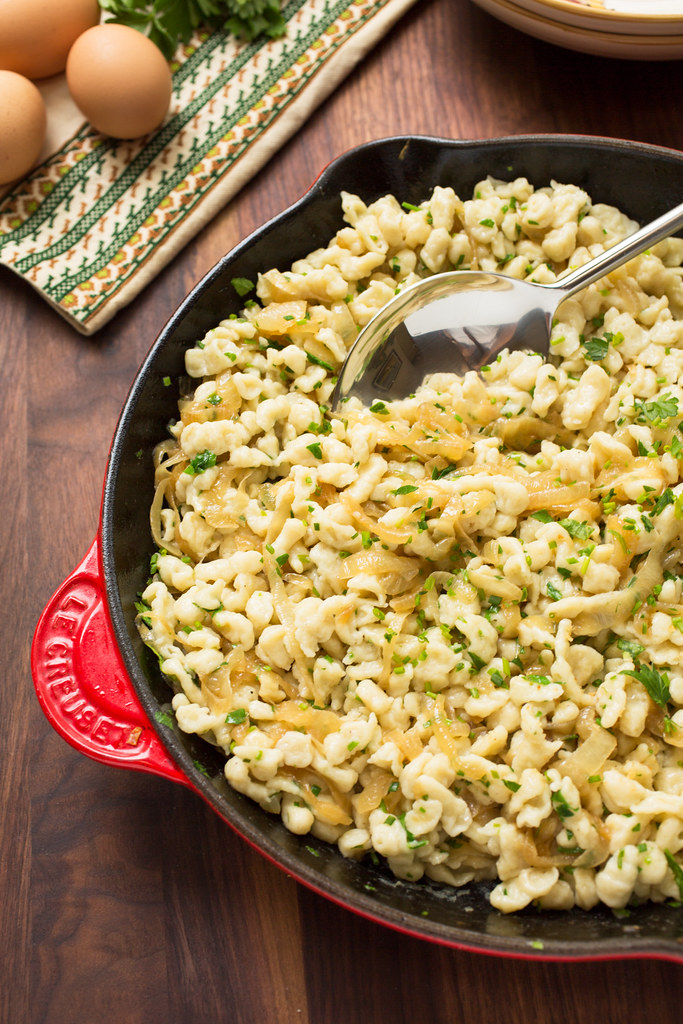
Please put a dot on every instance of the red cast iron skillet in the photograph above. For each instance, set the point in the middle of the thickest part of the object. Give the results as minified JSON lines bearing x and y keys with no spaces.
{"x":101,"y":688}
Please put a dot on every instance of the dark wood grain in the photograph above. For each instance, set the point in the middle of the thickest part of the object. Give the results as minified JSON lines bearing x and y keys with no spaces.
{"x":123,"y":897}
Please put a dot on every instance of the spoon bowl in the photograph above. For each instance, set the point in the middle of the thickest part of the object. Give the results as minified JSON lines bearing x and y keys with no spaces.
{"x":461,"y":320}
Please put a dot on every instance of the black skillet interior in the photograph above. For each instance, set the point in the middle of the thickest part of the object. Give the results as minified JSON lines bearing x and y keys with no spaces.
{"x":642,"y":181}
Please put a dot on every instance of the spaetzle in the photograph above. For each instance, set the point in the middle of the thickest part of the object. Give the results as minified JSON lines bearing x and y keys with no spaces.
{"x":446,"y":629}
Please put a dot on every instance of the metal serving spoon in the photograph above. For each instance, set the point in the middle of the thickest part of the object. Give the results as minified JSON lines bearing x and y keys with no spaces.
{"x":460,"y":320}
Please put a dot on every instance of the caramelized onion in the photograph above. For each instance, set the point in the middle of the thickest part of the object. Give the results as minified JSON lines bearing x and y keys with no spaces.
{"x":395,"y":572}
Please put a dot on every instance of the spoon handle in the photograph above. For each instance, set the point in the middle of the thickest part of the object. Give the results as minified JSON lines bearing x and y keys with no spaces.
{"x":620,"y":253}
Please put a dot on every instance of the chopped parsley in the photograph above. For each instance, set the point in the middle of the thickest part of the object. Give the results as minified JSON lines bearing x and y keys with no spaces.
{"x":242,"y":285}
{"x":631,"y":647}
{"x":236,"y":717}
{"x":575,"y":529}
{"x":676,"y":870}
{"x":201,"y":462}
{"x":561,"y":806}
{"x":319,"y":362}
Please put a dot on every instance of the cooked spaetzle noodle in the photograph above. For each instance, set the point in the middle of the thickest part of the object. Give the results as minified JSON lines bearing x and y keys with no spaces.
{"x":446,"y":629}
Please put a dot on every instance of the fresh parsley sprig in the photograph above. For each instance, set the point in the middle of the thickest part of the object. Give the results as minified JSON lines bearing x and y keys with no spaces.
{"x":595,"y":349}
{"x":171,"y":22}
{"x":658,"y":412}
{"x":656,"y":685}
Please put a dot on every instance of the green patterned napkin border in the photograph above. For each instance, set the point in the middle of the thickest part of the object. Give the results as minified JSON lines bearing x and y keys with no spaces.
{"x":91,"y":226}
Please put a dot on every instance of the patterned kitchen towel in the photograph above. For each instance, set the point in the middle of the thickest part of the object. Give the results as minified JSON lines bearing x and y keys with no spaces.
{"x":98,"y":219}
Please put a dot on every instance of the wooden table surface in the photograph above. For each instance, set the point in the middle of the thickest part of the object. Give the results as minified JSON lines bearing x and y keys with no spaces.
{"x":123,"y":897}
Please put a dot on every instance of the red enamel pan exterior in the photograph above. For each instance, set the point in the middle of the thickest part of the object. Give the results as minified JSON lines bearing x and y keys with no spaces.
{"x":101,"y":689}
{"x":82,"y":684}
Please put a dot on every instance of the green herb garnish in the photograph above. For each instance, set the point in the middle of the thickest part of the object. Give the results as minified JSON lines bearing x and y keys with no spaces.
{"x":477,"y":662}
{"x":562,"y":808}
{"x":596,"y":349}
{"x":657,"y":411}
{"x":242,"y":285}
{"x":580,"y":531}
{"x":236,"y":717}
{"x":676,"y":869}
{"x":319,"y":362}
{"x":171,"y":22}
{"x":656,"y":685}
{"x":631,"y":647}
{"x":201,"y":462}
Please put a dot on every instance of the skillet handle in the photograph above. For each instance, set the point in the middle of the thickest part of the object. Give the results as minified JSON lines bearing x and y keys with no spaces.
{"x":82,"y":684}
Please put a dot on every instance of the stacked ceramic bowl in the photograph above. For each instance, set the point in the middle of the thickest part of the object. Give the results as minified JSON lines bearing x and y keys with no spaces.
{"x":629,"y":29}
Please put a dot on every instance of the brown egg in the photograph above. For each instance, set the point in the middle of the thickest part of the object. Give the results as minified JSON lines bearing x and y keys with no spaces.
{"x":23,"y":119}
{"x":119,"y":80}
{"x":36,"y":35}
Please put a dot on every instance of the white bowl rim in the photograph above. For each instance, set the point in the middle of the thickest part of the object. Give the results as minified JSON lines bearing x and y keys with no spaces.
{"x":573,"y":7}
{"x":630,"y":40}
